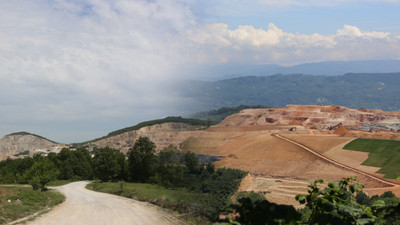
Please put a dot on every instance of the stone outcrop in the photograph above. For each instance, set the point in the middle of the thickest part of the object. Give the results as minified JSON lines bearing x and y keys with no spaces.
{"x":316,"y":117}
{"x":26,"y":144}
{"x":162,"y":135}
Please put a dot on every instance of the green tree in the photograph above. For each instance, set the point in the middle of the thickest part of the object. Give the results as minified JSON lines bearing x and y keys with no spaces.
{"x":109,"y":164}
{"x":336,"y":203}
{"x":42,"y":172}
{"x":191,"y":162}
{"x":142,"y":160}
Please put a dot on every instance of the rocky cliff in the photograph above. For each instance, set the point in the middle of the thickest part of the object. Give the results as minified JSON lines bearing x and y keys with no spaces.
{"x":162,"y":135}
{"x":24,"y":144}
{"x":316,"y":117}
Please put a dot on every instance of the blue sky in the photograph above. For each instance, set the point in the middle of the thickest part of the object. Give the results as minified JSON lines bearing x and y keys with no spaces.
{"x":72,"y":70}
{"x":307,"y":17}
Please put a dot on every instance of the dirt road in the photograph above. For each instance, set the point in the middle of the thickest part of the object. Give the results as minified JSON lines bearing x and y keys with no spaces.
{"x":87,"y":207}
{"x":383,"y":181}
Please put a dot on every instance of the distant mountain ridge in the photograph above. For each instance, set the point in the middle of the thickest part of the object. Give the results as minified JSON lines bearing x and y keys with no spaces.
{"x":330,"y":68}
{"x":362,"y":90}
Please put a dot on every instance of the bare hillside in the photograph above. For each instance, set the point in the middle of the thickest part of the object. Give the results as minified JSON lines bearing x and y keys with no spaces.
{"x":317,"y":117}
{"x":19,"y":145}
{"x":162,"y":135}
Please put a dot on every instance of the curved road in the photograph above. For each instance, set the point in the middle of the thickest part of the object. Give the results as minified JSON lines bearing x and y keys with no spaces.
{"x":321,"y":156}
{"x":83,"y":206}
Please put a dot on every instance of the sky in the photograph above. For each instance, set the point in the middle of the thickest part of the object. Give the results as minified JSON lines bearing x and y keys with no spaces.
{"x":74,"y":70}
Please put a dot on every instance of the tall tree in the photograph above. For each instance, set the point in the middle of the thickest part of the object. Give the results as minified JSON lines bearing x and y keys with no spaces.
{"x":109,"y":164}
{"x":142,"y":160}
{"x":42,"y":172}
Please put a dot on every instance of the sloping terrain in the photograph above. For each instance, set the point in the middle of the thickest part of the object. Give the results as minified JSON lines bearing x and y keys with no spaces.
{"x":162,"y":135}
{"x":279,"y":168}
{"x":317,"y":117}
{"x":23,"y":144}
{"x":255,"y":140}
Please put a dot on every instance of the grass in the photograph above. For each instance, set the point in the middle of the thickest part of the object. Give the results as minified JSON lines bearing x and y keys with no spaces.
{"x":180,"y":199}
{"x":18,"y":202}
{"x":382,"y":153}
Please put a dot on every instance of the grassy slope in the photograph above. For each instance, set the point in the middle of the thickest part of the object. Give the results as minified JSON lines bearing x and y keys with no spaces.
{"x":383,"y":153}
{"x":28,"y":203}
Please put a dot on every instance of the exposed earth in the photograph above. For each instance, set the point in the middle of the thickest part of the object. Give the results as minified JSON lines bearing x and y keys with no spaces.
{"x":278,"y":168}
{"x":87,"y":207}
{"x":282,"y":148}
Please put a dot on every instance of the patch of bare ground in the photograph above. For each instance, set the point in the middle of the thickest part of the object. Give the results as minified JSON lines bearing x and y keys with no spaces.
{"x":282,"y":190}
{"x":275,"y":162}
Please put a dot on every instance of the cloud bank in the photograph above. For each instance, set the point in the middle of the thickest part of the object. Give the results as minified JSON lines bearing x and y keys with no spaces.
{"x":72,"y":70}
{"x":247,"y":44}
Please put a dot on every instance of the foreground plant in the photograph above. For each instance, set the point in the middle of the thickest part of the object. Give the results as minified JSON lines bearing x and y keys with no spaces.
{"x":336,"y":203}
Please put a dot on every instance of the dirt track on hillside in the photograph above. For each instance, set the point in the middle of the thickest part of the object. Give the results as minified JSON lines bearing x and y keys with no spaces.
{"x":87,"y":207}
{"x":280,"y":169}
{"x":330,"y":160}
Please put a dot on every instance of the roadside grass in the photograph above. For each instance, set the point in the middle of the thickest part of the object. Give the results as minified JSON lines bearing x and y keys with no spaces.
{"x":180,"y":199}
{"x":382,"y":153}
{"x":18,"y":202}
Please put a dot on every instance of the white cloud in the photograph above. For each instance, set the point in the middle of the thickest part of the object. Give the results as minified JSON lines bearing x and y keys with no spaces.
{"x":65,"y":63}
{"x":273,"y":45}
{"x":87,"y":60}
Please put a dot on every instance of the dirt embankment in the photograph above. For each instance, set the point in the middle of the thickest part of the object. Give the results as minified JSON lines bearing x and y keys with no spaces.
{"x":317,"y":117}
{"x":162,"y":135}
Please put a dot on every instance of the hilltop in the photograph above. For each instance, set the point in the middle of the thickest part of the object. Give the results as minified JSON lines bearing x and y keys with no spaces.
{"x":22,"y":144}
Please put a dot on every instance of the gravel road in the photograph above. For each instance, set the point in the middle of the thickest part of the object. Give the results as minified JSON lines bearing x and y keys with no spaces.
{"x":87,"y":207}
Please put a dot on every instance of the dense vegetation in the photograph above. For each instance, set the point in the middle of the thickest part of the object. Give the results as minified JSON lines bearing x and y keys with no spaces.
{"x":382,"y":153}
{"x":169,"y":169}
{"x":218,"y":115}
{"x":374,"y":91}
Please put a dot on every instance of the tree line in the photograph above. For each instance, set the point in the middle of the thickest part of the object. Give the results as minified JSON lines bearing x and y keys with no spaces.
{"x":341,"y":202}
{"x":169,"y":168}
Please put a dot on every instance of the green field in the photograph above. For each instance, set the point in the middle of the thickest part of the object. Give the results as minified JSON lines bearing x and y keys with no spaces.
{"x":19,"y":201}
{"x":382,"y":153}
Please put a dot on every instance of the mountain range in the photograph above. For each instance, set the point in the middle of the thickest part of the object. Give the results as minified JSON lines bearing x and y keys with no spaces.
{"x":353,"y":90}
{"x":225,"y":71}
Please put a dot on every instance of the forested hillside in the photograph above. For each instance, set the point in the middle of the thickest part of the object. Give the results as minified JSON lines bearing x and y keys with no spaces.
{"x":373,"y":91}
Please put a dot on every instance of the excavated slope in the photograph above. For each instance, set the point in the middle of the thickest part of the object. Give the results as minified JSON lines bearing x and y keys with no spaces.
{"x":11,"y":145}
{"x":317,"y":117}
{"x":162,"y":135}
